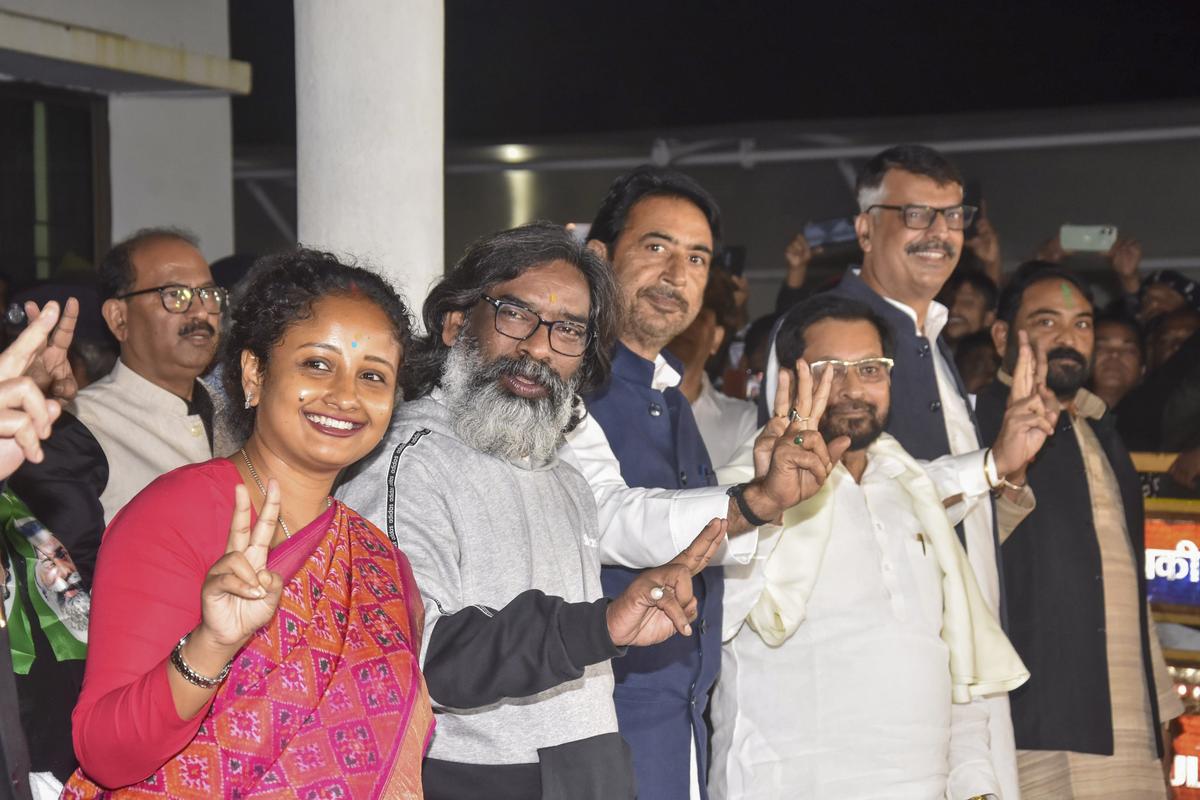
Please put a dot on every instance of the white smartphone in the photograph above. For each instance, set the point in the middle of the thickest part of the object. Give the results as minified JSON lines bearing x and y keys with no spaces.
{"x":1087,"y":238}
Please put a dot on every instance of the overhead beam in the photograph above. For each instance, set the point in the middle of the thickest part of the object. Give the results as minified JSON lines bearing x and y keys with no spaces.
{"x":50,"y":52}
{"x":749,"y":157}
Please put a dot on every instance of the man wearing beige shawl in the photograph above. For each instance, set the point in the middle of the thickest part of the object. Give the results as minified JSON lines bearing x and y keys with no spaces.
{"x":866,"y":644}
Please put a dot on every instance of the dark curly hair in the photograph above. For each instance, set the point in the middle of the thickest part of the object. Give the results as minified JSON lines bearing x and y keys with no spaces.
{"x":501,"y":257}
{"x":281,"y":291}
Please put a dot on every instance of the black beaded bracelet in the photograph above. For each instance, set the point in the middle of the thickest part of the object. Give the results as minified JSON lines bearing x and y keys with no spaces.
{"x":735,"y":492}
{"x":190,"y":675}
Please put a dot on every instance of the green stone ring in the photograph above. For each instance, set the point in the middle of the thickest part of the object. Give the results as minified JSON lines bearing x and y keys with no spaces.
{"x":799,"y":439}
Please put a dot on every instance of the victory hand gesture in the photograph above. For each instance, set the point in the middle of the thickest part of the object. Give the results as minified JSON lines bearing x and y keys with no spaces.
{"x":660,"y":602}
{"x":26,"y":415}
{"x":51,"y":369}
{"x":791,"y":460}
{"x":240,"y":594}
{"x":1032,"y":412}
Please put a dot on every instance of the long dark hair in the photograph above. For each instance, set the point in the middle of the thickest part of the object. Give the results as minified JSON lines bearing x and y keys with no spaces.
{"x":501,"y":257}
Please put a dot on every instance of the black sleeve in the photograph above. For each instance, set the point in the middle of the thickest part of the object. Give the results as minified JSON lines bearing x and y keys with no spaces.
{"x":478,"y":656}
{"x":63,"y":491}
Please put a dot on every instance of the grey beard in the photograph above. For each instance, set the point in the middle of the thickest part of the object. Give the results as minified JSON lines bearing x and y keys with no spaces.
{"x":498,"y":423}
{"x":73,"y":612}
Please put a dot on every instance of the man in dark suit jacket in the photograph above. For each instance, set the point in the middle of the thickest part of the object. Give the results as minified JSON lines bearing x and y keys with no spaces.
{"x":910,"y":228}
{"x":1074,"y":569}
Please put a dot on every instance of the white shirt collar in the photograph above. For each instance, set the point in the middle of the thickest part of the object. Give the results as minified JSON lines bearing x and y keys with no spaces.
{"x":665,"y":375}
{"x":935,"y":317}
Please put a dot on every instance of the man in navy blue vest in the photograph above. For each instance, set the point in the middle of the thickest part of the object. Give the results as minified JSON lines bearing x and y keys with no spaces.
{"x":642,"y":454}
{"x":910,"y":228}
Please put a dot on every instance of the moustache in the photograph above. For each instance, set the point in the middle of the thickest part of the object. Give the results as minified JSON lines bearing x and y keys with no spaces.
{"x":931,"y":246}
{"x":528,"y":368}
{"x":1066,"y":353}
{"x":199,"y":326}
{"x":663,"y":292}
{"x":852,"y":406}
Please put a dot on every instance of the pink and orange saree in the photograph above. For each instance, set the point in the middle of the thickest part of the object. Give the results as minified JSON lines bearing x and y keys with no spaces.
{"x":325,"y":701}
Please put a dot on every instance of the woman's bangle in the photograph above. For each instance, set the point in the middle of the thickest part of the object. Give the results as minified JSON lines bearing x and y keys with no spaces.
{"x":190,"y":675}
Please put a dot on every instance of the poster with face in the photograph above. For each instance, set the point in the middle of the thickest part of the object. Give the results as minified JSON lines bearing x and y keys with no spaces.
{"x":43,"y":589}
{"x":56,"y":578}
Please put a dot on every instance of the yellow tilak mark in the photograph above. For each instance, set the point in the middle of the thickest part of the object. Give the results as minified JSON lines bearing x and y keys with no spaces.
{"x":553,"y":298}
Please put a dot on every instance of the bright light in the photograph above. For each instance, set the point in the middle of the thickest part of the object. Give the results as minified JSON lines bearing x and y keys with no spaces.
{"x":515,"y":153}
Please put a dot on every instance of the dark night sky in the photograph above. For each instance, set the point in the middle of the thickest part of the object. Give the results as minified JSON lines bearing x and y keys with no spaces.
{"x":528,"y":68}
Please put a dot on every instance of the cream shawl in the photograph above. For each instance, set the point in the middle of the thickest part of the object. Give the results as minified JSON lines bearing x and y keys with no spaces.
{"x":982,"y":661}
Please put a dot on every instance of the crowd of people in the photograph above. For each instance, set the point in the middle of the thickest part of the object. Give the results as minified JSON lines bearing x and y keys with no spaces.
{"x":591,"y":532}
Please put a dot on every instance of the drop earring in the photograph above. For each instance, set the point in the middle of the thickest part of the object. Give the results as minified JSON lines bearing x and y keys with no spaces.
{"x":249,"y":399}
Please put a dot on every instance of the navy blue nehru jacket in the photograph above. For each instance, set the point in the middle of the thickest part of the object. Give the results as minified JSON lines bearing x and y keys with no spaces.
{"x":916,"y":418}
{"x":661,"y":691}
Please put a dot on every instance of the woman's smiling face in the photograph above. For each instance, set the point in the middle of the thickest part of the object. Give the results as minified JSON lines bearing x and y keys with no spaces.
{"x":327,"y":396}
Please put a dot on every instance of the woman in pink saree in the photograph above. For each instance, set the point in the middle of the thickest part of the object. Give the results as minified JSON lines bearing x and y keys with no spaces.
{"x":250,"y":636}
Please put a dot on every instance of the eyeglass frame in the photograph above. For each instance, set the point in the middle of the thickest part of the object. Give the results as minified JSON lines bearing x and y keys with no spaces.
{"x":495,"y":304}
{"x":969,"y":213}
{"x":195,"y":291}
{"x":889,"y":364}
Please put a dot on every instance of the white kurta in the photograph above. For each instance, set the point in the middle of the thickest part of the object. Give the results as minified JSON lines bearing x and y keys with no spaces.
{"x":724,"y":422}
{"x":857,"y":703}
{"x":144,"y":431}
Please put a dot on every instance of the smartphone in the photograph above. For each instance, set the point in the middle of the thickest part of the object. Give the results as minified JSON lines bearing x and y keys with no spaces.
{"x":830,"y":231}
{"x":732,"y":260}
{"x":1087,"y":238}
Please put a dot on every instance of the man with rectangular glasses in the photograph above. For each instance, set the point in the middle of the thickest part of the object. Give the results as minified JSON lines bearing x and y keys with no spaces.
{"x":502,"y":532}
{"x":857,"y":643}
{"x":148,"y":416}
{"x":910,"y":228}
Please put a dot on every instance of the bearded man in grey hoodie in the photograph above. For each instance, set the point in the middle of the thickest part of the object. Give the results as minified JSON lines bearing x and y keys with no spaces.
{"x":502,"y":534}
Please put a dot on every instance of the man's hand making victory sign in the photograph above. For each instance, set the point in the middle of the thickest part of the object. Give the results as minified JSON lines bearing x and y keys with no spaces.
{"x":791,"y":458}
{"x":1029,"y":420}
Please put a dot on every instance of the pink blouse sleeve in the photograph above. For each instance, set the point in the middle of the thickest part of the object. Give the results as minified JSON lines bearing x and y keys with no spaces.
{"x":146,"y":594}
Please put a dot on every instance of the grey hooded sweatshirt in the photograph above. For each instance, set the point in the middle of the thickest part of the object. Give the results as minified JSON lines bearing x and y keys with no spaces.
{"x":516,"y":650}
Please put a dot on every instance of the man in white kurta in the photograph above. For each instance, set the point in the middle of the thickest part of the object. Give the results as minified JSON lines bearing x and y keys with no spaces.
{"x":845,"y":635}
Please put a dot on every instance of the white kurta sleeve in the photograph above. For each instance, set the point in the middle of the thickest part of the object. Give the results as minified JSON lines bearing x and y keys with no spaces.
{"x":971,"y":771}
{"x":959,"y":477}
{"x":643,"y":528}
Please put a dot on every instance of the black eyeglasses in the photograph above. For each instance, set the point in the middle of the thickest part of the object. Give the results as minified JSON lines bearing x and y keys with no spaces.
{"x":177,"y":298}
{"x":921,"y":217}
{"x":518,"y":322}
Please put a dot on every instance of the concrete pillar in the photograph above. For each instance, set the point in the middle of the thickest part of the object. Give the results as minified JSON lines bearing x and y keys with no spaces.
{"x":369,"y":78}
